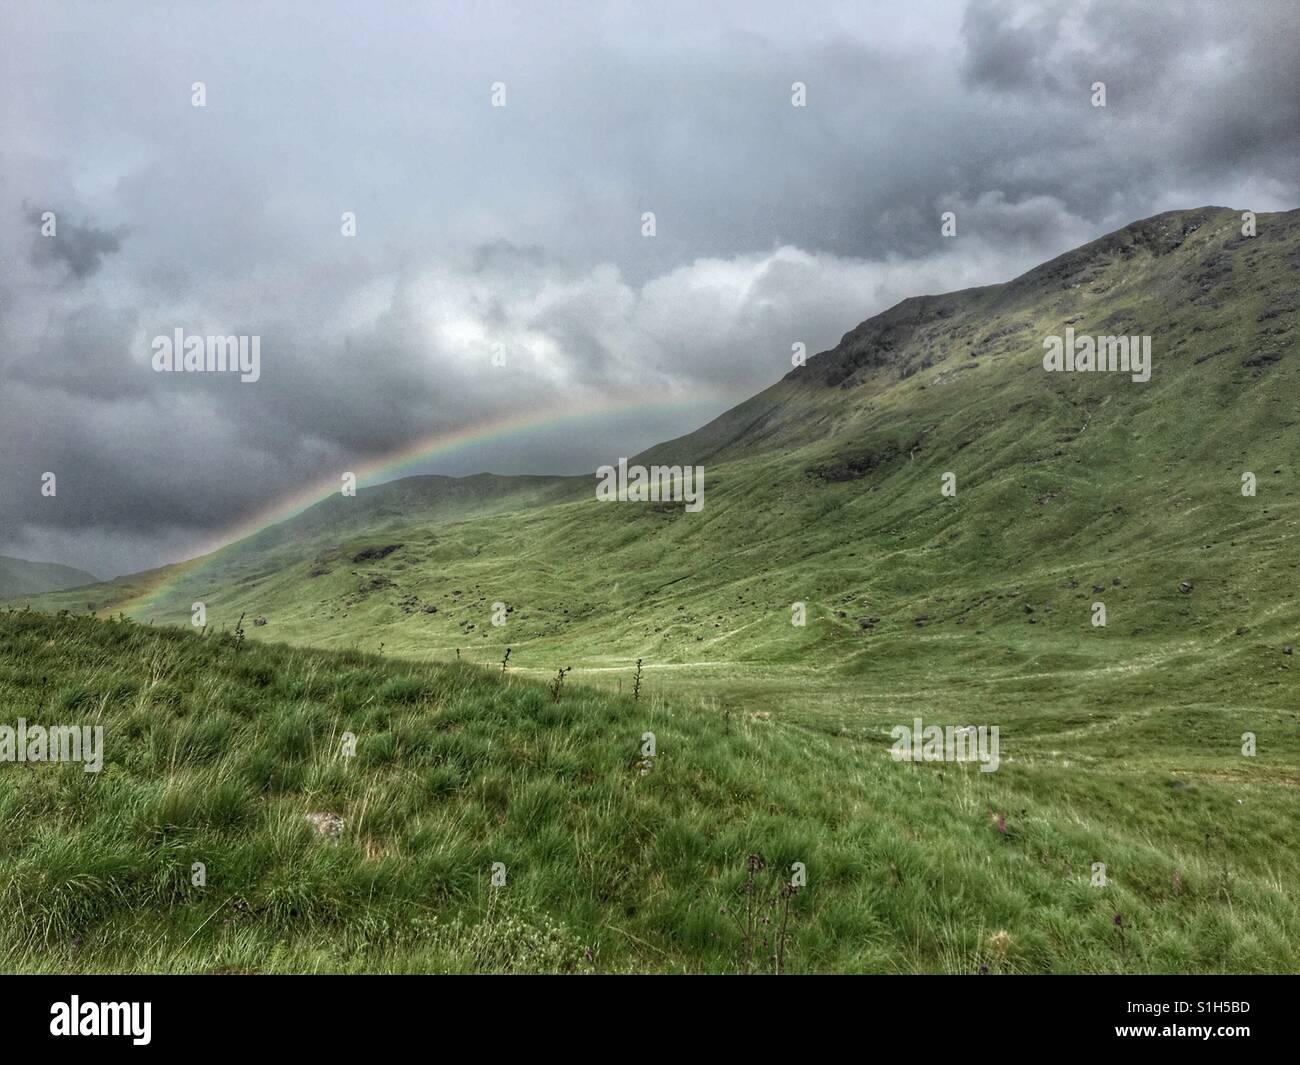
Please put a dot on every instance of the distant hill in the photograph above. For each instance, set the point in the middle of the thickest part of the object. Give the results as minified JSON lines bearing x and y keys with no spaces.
{"x":20,"y":577}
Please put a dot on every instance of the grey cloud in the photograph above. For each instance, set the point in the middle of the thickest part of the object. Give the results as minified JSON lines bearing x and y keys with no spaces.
{"x":81,"y":248}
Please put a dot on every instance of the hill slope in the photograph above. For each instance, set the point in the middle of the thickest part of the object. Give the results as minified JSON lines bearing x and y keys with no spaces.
{"x":1072,"y":490}
{"x":20,"y":577}
{"x":215,"y":752}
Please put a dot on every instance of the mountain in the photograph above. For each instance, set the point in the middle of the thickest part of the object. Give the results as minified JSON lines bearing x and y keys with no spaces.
{"x":20,"y":577}
{"x":1071,"y":489}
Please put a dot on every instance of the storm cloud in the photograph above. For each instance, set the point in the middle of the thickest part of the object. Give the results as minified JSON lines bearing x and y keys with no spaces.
{"x":81,"y":248}
{"x":499,"y":265}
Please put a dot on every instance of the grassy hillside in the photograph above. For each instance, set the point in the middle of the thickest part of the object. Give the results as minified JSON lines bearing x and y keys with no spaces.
{"x":20,"y":577}
{"x":216,"y":751}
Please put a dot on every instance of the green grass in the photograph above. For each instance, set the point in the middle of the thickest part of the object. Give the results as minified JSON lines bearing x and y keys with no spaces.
{"x":215,"y":752}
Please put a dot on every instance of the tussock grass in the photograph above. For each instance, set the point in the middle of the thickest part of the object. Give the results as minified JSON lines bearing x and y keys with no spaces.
{"x":216,"y":751}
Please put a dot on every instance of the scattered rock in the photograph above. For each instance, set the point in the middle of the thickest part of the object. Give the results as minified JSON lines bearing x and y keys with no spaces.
{"x":1115,"y":581}
{"x":372,"y":553}
{"x":259,"y":621}
{"x":1242,"y":630}
{"x":1185,"y":587}
{"x":1287,"y":649}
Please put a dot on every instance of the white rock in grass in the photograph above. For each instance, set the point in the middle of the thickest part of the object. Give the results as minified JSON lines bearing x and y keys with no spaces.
{"x":328,"y":826}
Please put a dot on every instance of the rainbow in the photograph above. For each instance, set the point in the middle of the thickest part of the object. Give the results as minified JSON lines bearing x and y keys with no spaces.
{"x":398,"y":463}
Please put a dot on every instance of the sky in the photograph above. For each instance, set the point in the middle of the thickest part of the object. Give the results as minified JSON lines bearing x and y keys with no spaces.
{"x":499,"y":267}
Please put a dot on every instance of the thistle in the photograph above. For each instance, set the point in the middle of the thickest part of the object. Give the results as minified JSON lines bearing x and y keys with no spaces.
{"x":754,"y":919}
